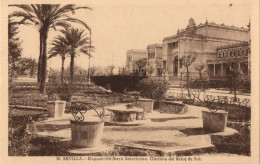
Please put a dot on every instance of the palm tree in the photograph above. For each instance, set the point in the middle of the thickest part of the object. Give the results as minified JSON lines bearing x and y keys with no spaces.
{"x":77,"y":43}
{"x":59,"y":48}
{"x":45,"y":17}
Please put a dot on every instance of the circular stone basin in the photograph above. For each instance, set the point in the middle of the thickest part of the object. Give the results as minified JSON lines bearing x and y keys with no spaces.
{"x":121,"y":113}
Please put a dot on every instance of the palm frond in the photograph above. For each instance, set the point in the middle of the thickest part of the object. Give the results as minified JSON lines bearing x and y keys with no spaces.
{"x":26,"y":8}
{"x":74,"y":20}
{"x":60,"y":24}
{"x":65,"y":9}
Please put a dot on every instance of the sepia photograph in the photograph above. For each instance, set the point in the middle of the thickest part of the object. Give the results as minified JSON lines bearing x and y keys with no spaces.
{"x":131,"y":81}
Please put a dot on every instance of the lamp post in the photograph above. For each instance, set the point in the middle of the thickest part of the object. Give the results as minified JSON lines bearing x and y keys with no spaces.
{"x":89,"y":58}
{"x":148,"y":60}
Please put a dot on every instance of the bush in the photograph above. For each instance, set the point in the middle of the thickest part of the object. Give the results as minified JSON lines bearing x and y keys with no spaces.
{"x":18,"y":138}
{"x":153,"y":89}
{"x":64,"y":91}
{"x":238,"y":143}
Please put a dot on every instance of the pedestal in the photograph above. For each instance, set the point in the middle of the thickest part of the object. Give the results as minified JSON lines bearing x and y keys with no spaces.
{"x":146,"y":104}
{"x":214,"y":121}
{"x":56,"y":108}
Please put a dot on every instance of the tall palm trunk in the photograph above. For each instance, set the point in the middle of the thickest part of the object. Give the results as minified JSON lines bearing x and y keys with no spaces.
{"x":62,"y":68}
{"x":40,"y":62}
{"x":72,"y":56}
{"x":43,"y":59}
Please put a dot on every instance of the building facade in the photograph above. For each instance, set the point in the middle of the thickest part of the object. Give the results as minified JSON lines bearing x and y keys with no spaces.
{"x":132,"y":56}
{"x":228,"y":57}
{"x":155,"y":60}
{"x":199,"y":41}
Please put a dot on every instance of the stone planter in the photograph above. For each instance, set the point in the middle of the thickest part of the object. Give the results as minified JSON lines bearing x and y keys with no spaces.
{"x":56,"y":108}
{"x":214,"y":121}
{"x":86,"y":134}
{"x":146,"y":104}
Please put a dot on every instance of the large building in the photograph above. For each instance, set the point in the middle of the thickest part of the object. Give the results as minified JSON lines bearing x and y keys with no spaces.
{"x":155,"y":60}
{"x":199,"y":41}
{"x":228,"y":57}
{"x":132,"y":56}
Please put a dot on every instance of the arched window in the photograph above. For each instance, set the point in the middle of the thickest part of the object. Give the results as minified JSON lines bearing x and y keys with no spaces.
{"x":235,"y":53}
{"x":238,"y":52}
{"x":223,"y":55}
{"x":230,"y":53}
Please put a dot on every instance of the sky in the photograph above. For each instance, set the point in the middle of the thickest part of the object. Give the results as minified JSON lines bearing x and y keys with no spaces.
{"x":118,"y":27}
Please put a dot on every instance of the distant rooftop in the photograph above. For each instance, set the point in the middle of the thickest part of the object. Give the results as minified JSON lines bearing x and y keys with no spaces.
{"x":192,"y":25}
{"x":155,"y":45}
{"x":233,"y":45}
{"x":136,"y":51}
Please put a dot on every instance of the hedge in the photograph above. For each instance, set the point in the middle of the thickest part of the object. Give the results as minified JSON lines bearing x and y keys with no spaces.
{"x":118,"y":83}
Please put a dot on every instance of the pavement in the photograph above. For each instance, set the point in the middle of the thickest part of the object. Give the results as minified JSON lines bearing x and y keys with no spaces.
{"x":168,"y":133}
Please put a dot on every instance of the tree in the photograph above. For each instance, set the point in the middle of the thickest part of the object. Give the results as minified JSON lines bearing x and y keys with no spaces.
{"x":150,"y":70}
{"x":141,"y":63}
{"x":110,"y":69}
{"x":122,"y":70}
{"x":199,"y":68}
{"x":236,"y":75}
{"x":164,"y":71}
{"x":92,"y":70}
{"x":14,"y":48}
{"x":100,"y":71}
{"x":186,"y":61}
{"x":14,"y":53}
{"x":59,"y":48}
{"x":76,"y":41}
{"x":45,"y":17}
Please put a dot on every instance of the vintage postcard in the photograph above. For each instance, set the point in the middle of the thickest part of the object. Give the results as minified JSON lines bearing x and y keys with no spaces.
{"x":117,"y":81}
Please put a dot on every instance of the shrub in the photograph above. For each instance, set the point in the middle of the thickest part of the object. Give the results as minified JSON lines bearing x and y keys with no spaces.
{"x":238,"y":143}
{"x":153,"y":89}
{"x":18,"y":138}
{"x":63,"y":91}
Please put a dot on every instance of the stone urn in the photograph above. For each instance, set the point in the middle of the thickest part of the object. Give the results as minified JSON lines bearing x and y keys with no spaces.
{"x":214,"y":121}
{"x":86,"y":132}
{"x":146,"y":104}
{"x":56,"y":108}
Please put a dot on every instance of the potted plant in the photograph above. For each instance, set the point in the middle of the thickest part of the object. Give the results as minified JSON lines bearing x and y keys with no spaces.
{"x":59,"y":94}
{"x":151,"y":90}
{"x":215,"y":120}
{"x":86,"y":132}
{"x":55,"y":107}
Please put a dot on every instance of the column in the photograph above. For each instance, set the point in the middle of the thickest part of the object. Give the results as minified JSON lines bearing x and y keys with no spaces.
{"x":214,"y":68}
{"x":221,"y":72}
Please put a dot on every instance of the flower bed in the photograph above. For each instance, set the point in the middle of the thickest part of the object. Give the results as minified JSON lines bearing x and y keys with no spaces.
{"x":91,"y":93}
